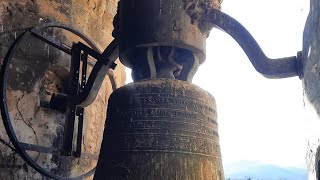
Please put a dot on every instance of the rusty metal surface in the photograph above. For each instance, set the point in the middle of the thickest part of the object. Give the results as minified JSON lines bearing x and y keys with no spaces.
{"x":145,"y":23}
{"x":186,"y":24}
{"x":160,"y":129}
{"x":21,"y":147}
{"x":164,"y":62}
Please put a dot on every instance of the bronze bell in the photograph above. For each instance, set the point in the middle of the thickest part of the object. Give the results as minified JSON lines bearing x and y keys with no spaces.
{"x":160,"y":129}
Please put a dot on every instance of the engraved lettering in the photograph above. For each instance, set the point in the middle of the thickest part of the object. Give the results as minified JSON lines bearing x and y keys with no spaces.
{"x":151,"y":100}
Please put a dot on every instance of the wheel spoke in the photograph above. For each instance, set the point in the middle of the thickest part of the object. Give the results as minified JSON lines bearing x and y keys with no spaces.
{"x":37,"y":148}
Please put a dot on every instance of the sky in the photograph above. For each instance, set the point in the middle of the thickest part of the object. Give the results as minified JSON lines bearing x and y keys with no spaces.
{"x":259,"y":119}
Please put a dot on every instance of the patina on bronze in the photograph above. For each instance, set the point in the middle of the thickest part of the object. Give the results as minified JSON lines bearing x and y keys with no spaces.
{"x":160,"y":129}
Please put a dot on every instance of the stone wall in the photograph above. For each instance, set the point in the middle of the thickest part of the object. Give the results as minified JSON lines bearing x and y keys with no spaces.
{"x":311,"y":79}
{"x":39,"y":69}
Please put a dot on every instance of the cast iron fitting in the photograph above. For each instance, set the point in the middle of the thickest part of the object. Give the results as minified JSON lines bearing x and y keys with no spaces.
{"x":163,"y":62}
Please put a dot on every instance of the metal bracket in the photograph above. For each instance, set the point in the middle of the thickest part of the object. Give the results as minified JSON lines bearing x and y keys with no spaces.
{"x":269,"y":68}
{"x":82,"y":92}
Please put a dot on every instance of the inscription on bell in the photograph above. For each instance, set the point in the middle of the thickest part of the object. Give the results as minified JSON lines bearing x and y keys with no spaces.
{"x":187,"y":103}
{"x":167,"y":121}
{"x":161,"y":128}
{"x":157,"y":112}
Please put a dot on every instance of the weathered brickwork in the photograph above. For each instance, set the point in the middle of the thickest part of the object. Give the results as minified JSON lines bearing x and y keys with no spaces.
{"x":33,"y":123}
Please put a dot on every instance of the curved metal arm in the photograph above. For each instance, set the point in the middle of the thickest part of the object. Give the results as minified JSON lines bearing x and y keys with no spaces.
{"x":98,"y":73}
{"x":100,"y":69}
{"x":270,"y":68}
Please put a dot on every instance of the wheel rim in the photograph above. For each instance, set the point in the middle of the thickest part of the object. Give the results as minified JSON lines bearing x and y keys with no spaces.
{"x":4,"y":105}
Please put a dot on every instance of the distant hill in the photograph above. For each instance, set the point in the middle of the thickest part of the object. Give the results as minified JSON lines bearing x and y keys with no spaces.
{"x":243,"y":170}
